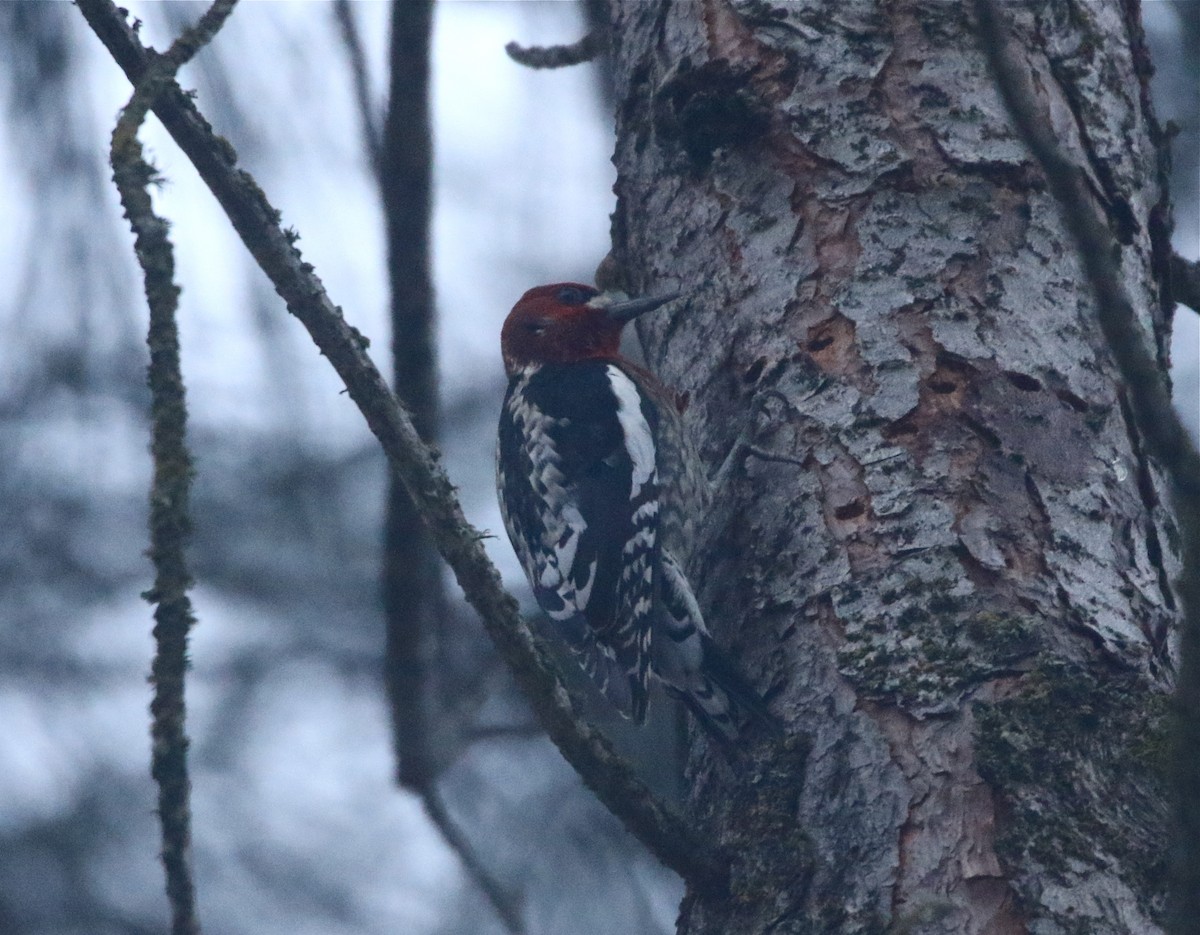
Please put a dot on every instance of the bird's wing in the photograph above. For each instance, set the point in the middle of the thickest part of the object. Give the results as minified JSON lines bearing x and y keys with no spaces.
{"x":582,"y":512}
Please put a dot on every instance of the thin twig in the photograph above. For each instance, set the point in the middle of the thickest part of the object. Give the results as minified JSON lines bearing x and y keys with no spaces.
{"x":663,"y":832}
{"x":1166,"y":439}
{"x":506,"y":904}
{"x":1185,"y":282}
{"x":170,"y":524}
{"x":343,"y":11}
{"x":594,"y":44}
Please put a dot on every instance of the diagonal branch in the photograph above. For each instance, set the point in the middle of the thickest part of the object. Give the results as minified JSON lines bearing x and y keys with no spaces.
{"x":1166,"y":439}
{"x":257,"y":222}
{"x":170,"y":524}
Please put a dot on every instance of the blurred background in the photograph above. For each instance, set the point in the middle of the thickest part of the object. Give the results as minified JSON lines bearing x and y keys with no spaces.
{"x":299,"y":826}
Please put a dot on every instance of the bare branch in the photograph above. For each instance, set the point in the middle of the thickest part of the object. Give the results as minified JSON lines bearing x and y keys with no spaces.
{"x":1185,"y":281}
{"x":1166,"y":439}
{"x":170,"y":524}
{"x":594,"y":44}
{"x":257,"y":222}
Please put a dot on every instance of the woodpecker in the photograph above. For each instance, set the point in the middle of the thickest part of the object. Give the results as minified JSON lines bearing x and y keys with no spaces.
{"x":600,"y":490}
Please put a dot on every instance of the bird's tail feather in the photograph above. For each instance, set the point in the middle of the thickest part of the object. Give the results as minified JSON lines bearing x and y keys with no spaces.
{"x":723,"y":701}
{"x":746,"y":700}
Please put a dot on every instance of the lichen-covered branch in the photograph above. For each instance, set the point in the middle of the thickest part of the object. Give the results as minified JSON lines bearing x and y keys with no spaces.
{"x":170,"y":524}
{"x":257,"y":223}
{"x":1165,"y":437}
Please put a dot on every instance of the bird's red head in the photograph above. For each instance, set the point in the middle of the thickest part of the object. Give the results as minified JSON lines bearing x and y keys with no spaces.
{"x":567,"y":322}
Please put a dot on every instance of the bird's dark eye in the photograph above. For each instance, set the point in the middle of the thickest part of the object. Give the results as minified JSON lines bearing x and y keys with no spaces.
{"x":535,"y":327}
{"x":570,"y":295}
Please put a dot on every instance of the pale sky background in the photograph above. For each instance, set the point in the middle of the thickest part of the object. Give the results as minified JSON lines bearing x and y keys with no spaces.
{"x":298,"y":778}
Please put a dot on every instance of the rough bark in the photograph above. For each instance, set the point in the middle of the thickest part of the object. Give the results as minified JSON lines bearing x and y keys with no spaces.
{"x":962,"y":601}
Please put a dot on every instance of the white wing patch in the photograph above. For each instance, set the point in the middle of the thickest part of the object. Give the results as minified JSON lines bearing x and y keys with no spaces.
{"x":549,"y":530}
{"x":639,"y":440}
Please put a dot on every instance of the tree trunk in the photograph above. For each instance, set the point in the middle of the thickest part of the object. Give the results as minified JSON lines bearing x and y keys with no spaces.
{"x":960,"y":602}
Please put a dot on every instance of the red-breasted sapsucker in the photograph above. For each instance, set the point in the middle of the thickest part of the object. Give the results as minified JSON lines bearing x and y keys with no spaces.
{"x":601,"y":491}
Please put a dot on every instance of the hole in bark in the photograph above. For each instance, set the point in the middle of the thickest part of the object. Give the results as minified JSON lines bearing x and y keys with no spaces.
{"x":850,"y":510}
{"x":708,"y":107}
{"x":755,"y":371}
{"x":982,"y":431}
{"x":1023,"y":381}
{"x":898,"y":428}
{"x":1072,"y":400}
{"x":948,"y":384}
{"x":830,"y":345}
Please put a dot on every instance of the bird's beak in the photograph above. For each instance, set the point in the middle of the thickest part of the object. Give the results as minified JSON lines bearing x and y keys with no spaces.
{"x":629,"y":309}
